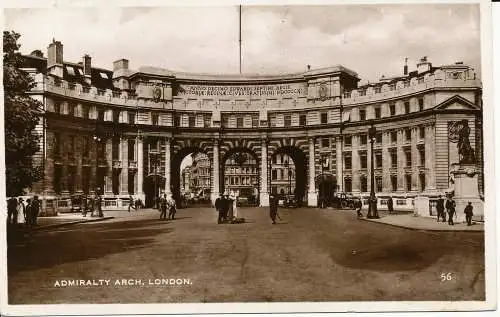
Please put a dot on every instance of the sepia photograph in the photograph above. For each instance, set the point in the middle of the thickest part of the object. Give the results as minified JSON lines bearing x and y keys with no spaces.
{"x":288,"y":158}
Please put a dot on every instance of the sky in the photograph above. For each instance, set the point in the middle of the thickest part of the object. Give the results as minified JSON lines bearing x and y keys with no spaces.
{"x":372,"y":40}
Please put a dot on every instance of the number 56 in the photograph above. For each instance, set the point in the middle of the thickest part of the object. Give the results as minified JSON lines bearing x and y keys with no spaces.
{"x":446,"y":277}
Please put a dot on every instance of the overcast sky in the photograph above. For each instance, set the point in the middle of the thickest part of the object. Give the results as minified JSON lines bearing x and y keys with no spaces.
{"x":372,"y":40}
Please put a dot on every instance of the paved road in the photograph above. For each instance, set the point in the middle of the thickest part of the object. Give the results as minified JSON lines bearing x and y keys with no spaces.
{"x":311,"y":255}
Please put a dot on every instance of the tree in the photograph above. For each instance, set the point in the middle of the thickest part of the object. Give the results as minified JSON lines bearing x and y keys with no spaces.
{"x":21,"y":115}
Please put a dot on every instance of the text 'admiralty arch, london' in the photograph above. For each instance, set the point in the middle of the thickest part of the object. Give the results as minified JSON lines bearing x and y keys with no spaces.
{"x":119,"y":130}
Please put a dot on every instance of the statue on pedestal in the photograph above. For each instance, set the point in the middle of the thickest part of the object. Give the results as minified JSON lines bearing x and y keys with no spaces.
{"x":465,"y":151}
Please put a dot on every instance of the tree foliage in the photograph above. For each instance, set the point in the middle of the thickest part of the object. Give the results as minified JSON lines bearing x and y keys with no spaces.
{"x":21,"y":115}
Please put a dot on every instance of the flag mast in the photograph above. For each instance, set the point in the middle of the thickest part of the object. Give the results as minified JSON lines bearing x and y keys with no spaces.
{"x":240,"y":35}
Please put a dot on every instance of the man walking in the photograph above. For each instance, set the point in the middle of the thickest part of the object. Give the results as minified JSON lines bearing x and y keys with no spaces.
{"x":468,"y":213}
{"x":358,"y":205}
{"x":440,"y":209}
{"x":171,"y":207}
{"x":273,"y":208}
{"x":450,"y":208}
{"x":390,"y":205}
{"x":12,"y":210}
{"x":35,"y":209}
{"x":21,"y":210}
{"x":219,"y":208}
{"x":130,"y":203}
{"x":99,"y":205}
{"x":163,"y":207}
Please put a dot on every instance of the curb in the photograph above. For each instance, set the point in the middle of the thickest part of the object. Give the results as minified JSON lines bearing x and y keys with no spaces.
{"x":419,"y":229}
{"x":56,"y":225}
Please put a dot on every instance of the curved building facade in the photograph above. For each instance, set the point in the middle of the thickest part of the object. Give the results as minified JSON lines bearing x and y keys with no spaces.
{"x":121,"y":130}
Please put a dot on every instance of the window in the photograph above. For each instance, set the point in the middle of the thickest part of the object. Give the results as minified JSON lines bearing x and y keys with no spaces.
{"x":378,"y":138}
{"x":347,"y":94}
{"x":364,"y":184}
{"x":421,"y":154}
{"x":86,"y":146}
{"x":255,"y":121}
{"x":206,"y":121}
{"x":347,"y":185}
{"x":191,"y":121}
{"x":116,"y":181}
{"x":421,"y":132}
{"x":420,"y":80}
{"x":378,"y":89}
{"x":392,"y":86}
{"x":420,"y":104}
{"x":288,"y":120}
{"x":422,"y":182}
{"x":131,"y":182}
{"x":131,"y":150}
{"x":57,"y":144}
{"x":408,"y":158}
{"x":101,"y":149}
{"x":407,"y":107}
{"x":302,"y":120}
{"x":348,"y":140}
{"x":392,"y":109}
{"x":131,"y":117}
{"x":378,"y":184}
{"x":71,"y":149}
{"x":177,"y":120}
{"x":377,"y":112}
{"x":239,"y":122}
{"x":408,"y":134}
{"x":394,"y":136}
{"x":324,"y":117}
{"x":71,"y":179}
{"x":116,"y":116}
{"x":394,"y":159}
{"x":362,"y":114}
{"x":363,"y":159}
{"x":406,"y":83}
{"x":57,"y":107}
{"x":378,"y":160}
{"x":274,"y":175}
{"x":363,"y":139}
{"x":71,"y":109}
{"x":100,"y":114}
{"x":362,"y":92}
{"x":155,"y":118}
{"x":57,"y":178}
{"x":394,"y":183}
{"x":115,"y":149}
{"x":408,"y":182}
{"x":325,"y":142}
{"x":347,"y":162}
{"x":86,"y":112}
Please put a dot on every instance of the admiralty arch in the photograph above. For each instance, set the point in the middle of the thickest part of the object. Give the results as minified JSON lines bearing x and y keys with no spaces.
{"x":117,"y":130}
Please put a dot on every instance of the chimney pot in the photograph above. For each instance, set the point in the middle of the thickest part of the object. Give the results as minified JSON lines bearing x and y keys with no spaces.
{"x":87,"y":65}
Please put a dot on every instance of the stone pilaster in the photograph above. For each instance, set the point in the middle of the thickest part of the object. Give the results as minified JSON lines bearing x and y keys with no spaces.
{"x":215,"y":172}
{"x":140,"y":167}
{"x":356,"y":185}
{"x":78,"y":157}
{"x":401,"y":162}
{"x":430,"y":159}
{"x":124,"y":160}
{"x":386,"y":162}
{"x":264,"y":191}
{"x":340,"y":164}
{"x":108,"y":178}
{"x":312,"y":195}
{"x":414,"y":159}
{"x":167,"y":166}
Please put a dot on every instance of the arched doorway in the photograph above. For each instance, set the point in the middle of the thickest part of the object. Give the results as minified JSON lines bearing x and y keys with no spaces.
{"x":292,"y":163}
{"x":327,"y":186}
{"x":154,"y":185}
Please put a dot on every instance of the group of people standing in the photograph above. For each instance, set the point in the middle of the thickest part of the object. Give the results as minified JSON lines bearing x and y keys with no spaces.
{"x":450,"y":206}
{"x":226,"y":206}
{"x":165,"y":203}
{"x":93,"y":204}
{"x":29,"y":210}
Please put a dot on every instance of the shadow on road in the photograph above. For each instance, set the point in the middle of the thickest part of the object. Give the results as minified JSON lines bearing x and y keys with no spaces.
{"x":45,"y":249}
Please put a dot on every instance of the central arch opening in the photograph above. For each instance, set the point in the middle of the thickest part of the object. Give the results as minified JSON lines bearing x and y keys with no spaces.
{"x":288,"y":174}
{"x":239,"y":173}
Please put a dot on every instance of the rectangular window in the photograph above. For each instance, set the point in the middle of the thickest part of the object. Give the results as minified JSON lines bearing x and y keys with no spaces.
{"x":131,"y":150}
{"x":57,"y":178}
{"x":86,"y":146}
{"x":71,"y":109}
{"x":302,"y":120}
{"x":115,"y":151}
{"x":347,"y":162}
{"x":422,"y":182}
{"x":378,"y":160}
{"x":191,"y":121}
{"x":347,"y":185}
{"x":116,"y":181}
{"x":255,"y":121}
{"x":394,"y":183}
{"x":362,"y":114}
{"x":348,"y":140}
{"x":155,"y":118}
{"x":71,"y":179}
{"x":364,"y":184}
{"x":392,"y":109}
{"x":288,"y":120}
{"x":362,"y":92}
{"x":420,"y":104}
{"x":100,"y":114}
{"x":378,"y":89}
{"x":394,"y":159}
{"x":421,"y":132}
{"x":116,"y":116}
{"x":131,"y":117}
{"x":363,"y":139}
{"x":394,"y":136}
{"x":207,"y":121}
{"x":377,"y":112}
{"x":86,"y":179}
{"x":86,"y":112}
{"x":239,"y":122}
{"x":274,"y":174}
{"x":131,"y":184}
{"x":57,"y":107}
{"x":408,"y":158}
{"x":325,"y":142}
{"x":378,"y":184}
{"x":324,"y":117}
{"x":363,"y":159}
{"x":392,"y":86}
{"x":57,"y":144}
{"x":378,"y":138}
{"x":407,"y":107}
{"x":177,"y":120}
{"x":421,"y":152}
{"x":408,"y":134}
{"x":408,"y":182}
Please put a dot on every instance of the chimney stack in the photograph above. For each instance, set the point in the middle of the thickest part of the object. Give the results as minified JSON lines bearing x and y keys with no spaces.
{"x":423,"y":66}
{"x":87,"y":65}
{"x":55,"y":58}
{"x":120,"y":64}
{"x":405,"y":68}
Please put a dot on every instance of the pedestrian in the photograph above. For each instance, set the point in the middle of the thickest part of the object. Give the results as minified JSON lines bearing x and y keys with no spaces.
{"x":230,"y":209}
{"x":225,"y":207}
{"x":171,"y":207}
{"x":390,"y":204}
{"x":35,"y":209}
{"x":162,"y":206}
{"x":450,"y":208}
{"x":99,"y":205}
{"x":273,"y":208}
{"x":236,"y":194}
{"x":131,"y":203}
{"x":85,"y":208}
{"x":21,"y":210}
{"x":12,"y":210}
{"x":219,"y":208}
{"x":440,"y":209}
{"x":28,"y":218}
{"x":468,"y":213}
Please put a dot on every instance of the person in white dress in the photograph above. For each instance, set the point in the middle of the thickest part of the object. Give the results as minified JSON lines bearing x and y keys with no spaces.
{"x":234,"y":197}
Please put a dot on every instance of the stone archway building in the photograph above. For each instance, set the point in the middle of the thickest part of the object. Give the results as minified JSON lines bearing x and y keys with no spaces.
{"x":320,"y":116}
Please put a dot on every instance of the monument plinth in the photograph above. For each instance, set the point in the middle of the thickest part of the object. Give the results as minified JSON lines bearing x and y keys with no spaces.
{"x":467,"y":190}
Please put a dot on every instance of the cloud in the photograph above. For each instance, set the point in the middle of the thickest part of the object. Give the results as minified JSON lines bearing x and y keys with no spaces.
{"x":370,"y":39}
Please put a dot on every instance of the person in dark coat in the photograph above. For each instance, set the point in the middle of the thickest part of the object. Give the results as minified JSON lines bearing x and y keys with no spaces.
{"x":440,"y":209}
{"x":28,"y":217}
{"x":358,"y":205}
{"x":219,"y":208}
{"x":468,"y":213}
{"x":273,"y":208}
{"x":12,"y":211}
{"x":390,"y":204}
{"x":35,"y":209}
{"x":162,"y":205}
{"x":450,"y":208}
{"x":99,"y":205}
{"x":172,"y":210}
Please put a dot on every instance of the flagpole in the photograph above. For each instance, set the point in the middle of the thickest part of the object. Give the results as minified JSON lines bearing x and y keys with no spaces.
{"x":240,"y":36}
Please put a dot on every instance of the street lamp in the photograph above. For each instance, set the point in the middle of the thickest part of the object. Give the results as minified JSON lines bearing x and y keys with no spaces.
{"x":372,"y":207}
{"x":97,"y":138}
{"x":287,"y":165}
{"x":155,"y":160}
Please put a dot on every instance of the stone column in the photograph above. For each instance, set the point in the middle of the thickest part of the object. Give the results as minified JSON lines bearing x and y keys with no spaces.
{"x":264,"y":191}
{"x":167,"y":167}
{"x":108,"y":179}
{"x":401,"y":162}
{"x":414,"y":159}
{"x":312,"y":195}
{"x":124,"y":160}
{"x":340,"y":164}
{"x":78,"y":158}
{"x":430,"y":159}
{"x":140,"y":168}
{"x":386,"y":162}
{"x":215,"y":172}
{"x":356,"y":185}
{"x":368,"y":164}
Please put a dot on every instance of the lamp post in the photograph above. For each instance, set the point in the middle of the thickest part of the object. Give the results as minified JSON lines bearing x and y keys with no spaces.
{"x":97,"y":138}
{"x":155,"y":160}
{"x":372,"y":207}
{"x":287,"y":165}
